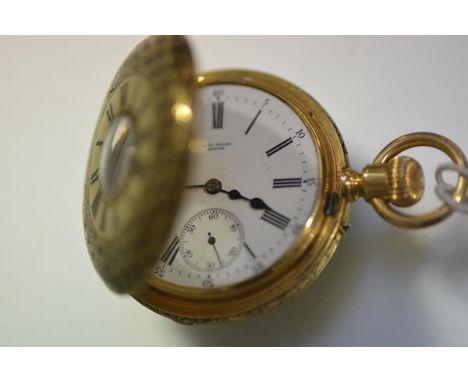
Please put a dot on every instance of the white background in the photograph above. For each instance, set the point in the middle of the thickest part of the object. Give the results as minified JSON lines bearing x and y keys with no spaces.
{"x":385,"y":285}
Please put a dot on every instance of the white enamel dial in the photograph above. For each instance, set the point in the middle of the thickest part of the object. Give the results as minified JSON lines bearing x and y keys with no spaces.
{"x":264,"y":171}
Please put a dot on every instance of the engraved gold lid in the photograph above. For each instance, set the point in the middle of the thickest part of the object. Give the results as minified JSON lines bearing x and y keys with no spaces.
{"x":138,"y":161}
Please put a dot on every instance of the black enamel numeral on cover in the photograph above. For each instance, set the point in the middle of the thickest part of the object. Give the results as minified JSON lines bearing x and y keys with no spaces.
{"x":96,"y":202}
{"x":123,"y":94}
{"x":94,"y":176}
{"x":110,"y":113}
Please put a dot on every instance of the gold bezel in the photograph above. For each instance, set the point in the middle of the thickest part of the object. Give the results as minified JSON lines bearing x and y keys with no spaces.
{"x":306,"y":257}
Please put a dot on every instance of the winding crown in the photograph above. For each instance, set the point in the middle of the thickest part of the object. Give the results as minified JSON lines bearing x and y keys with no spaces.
{"x":400,"y":182}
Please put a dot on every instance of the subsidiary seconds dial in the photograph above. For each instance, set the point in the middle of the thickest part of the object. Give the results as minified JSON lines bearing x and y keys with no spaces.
{"x":211,"y":240}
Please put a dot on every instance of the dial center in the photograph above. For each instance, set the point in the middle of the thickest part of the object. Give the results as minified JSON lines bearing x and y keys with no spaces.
{"x":211,"y":239}
{"x":118,"y":151}
{"x":213,"y":186}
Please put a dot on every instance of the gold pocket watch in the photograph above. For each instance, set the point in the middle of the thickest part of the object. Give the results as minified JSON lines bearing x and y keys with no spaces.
{"x":216,"y":196}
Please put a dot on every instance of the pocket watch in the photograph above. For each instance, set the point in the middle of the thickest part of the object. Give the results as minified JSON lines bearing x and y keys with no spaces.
{"x":216,"y":196}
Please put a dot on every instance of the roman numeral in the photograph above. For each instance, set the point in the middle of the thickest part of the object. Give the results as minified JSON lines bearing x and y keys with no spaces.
{"x":103,"y":220}
{"x":276,"y":219}
{"x":94,"y":176}
{"x":171,"y":252}
{"x":253,"y":121}
{"x":279,"y":146}
{"x":287,"y":182}
{"x":96,"y":202}
{"x":110,"y":112}
{"x":123,"y":94}
{"x":218,"y":113}
{"x":103,"y":214}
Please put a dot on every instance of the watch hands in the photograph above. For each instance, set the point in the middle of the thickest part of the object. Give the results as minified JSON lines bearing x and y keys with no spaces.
{"x":249,"y":250}
{"x":213,"y":186}
{"x":255,"y":203}
{"x":212,"y":241}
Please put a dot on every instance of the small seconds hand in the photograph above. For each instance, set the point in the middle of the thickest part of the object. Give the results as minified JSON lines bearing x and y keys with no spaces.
{"x":212,"y":241}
